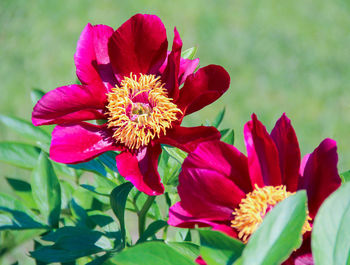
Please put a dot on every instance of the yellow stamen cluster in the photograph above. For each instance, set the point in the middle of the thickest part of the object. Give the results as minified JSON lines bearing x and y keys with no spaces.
{"x":136,"y":123}
{"x":253,"y":208}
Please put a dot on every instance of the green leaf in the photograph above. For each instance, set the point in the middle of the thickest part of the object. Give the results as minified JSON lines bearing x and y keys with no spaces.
{"x":46,"y":190}
{"x":279,"y":234}
{"x":175,"y":153}
{"x":189,"y":53}
{"x":187,"y":249}
{"x":331,"y":231}
{"x":151,"y":230}
{"x":229,"y":138}
{"x":218,"y":248}
{"x":19,"y":154}
{"x":108,"y":158}
{"x":71,"y":243}
{"x":218,"y":119}
{"x":118,"y":199}
{"x":151,"y":253}
{"x":27,"y":130}
{"x":345,"y":176}
{"x":93,"y":166}
{"x":36,"y":94}
{"x":22,"y":190}
{"x":16,"y":215}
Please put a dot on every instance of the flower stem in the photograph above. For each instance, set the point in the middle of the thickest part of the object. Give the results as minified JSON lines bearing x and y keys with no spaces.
{"x":143,"y":214}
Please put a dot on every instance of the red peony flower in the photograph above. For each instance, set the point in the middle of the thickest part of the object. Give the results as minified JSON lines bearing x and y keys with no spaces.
{"x":222,"y":188}
{"x":130,"y":81}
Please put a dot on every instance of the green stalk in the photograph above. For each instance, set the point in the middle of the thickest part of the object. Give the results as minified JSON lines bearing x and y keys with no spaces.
{"x":143,"y":214}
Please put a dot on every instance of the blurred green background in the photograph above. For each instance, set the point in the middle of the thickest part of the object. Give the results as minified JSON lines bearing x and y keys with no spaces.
{"x":283,"y":56}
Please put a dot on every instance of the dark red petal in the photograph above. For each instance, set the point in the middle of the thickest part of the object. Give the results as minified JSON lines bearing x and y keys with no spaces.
{"x":263,"y":161}
{"x":92,"y":59}
{"x":188,"y":138}
{"x":187,"y":67}
{"x":138,"y":46}
{"x":141,"y":169}
{"x":171,"y":72}
{"x":207,"y":191}
{"x":80,"y":142}
{"x":69,"y":104}
{"x":203,"y":88}
{"x":320,"y":177}
{"x":287,"y":145}
{"x":225,"y":159}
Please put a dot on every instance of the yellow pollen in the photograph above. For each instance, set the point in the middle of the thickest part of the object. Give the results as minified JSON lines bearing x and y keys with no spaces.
{"x":253,"y":208}
{"x":140,"y":110}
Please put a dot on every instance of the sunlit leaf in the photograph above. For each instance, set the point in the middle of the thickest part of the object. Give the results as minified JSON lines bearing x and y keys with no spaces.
{"x":16,"y":215}
{"x":71,"y":243}
{"x":218,"y":119}
{"x":36,"y":95}
{"x":217,"y":248}
{"x":118,"y":200}
{"x":27,"y":130}
{"x":19,"y":154}
{"x":189,"y":53}
{"x":46,"y":190}
{"x":229,"y":137}
{"x":151,"y":253}
{"x":23,"y":190}
{"x":152,"y":229}
{"x":331,"y":229}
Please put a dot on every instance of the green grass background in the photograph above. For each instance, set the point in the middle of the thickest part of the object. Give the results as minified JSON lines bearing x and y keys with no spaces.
{"x":283,"y":56}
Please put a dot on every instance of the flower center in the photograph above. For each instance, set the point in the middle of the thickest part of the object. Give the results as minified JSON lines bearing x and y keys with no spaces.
{"x":253,"y":208}
{"x":140,"y":110}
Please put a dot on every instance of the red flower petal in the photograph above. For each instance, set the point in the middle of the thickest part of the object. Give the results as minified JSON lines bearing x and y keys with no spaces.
{"x":138,"y":46}
{"x":92,"y":59}
{"x":76,"y":143}
{"x":203,"y":88}
{"x":320,"y":177}
{"x":206,"y":191}
{"x":224,"y":158}
{"x":187,"y":138}
{"x":68,"y":104}
{"x":262,"y":154}
{"x":287,"y":145}
{"x":171,"y":72}
{"x":141,"y":169}
{"x":179,"y":217}
{"x":187,"y":67}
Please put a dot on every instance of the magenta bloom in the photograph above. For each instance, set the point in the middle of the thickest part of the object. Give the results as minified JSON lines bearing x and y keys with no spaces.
{"x":131,"y":83}
{"x":222,"y":188}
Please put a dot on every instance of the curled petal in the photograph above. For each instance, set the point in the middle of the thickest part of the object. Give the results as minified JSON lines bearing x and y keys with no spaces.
{"x":263,"y":161}
{"x":69,"y":104}
{"x":80,"y":142}
{"x":187,"y":67}
{"x":171,"y":72}
{"x":287,"y":145}
{"x":320,"y":177}
{"x":203,"y":88}
{"x":141,"y":169}
{"x":138,"y":46}
{"x":92,"y":59}
{"x":188,"y":138}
